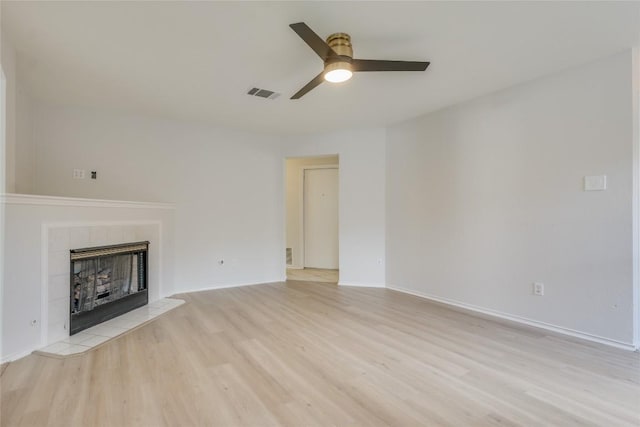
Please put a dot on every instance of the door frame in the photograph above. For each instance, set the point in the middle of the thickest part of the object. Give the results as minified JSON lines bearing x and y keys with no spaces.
{"x":301,"y":210}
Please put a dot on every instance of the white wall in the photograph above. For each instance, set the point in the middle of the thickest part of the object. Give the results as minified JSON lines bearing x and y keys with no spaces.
{"x":486,"y":197}
{"x":18,"y":150}
{"x":227,"y":185}
{"x":27,"y":324}
{"x":294,"y":199}
{"x":8,"y":63}
{"x":24,"y":167}
{"x":362,"y":198}
{"x":7,"y":141}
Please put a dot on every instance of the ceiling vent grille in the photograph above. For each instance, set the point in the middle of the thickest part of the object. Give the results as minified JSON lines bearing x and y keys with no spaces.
{"x":263,"y":93}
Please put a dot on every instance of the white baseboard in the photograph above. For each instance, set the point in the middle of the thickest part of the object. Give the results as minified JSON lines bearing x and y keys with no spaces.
{"x":361,"y":285}
{"x":519,"y":319}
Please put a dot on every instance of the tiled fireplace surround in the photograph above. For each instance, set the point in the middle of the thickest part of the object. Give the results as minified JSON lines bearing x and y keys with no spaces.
{"x":59,"y":238}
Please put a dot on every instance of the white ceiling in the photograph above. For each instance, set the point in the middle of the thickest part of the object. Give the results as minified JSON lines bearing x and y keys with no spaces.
{"x":196,"y":60}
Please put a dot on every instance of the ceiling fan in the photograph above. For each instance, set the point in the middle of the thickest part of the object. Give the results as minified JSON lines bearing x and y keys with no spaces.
{"x":339,"y":63}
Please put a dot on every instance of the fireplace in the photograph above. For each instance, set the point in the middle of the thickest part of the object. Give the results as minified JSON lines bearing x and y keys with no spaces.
{"x":107,"y":281}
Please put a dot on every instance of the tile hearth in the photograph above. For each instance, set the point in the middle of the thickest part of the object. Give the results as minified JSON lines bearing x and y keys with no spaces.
{"x":96,"y":335}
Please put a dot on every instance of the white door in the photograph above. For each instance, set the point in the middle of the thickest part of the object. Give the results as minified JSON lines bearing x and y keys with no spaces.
{"x":321,"y":218}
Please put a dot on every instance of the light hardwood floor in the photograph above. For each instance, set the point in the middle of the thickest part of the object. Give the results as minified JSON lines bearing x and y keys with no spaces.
{"x":302,"y":354}
{"x":313,"y":275}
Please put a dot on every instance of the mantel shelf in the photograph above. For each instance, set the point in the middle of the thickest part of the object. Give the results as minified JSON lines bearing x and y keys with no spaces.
{"x":32,"y":199}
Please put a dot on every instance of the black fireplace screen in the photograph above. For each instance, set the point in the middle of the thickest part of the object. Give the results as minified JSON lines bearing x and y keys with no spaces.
{"x":106,"y":282}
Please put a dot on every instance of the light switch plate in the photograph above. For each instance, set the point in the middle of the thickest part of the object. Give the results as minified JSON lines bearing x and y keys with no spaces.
{"x":595,"y":183}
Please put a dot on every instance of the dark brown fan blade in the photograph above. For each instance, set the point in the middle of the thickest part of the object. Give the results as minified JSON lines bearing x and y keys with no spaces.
{"x":381,"y":65}
{"x":314,"y":41}
{"x":313,"y":83}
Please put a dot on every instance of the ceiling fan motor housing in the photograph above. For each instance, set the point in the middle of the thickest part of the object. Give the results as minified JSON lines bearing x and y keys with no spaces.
{"x":341,"y":44}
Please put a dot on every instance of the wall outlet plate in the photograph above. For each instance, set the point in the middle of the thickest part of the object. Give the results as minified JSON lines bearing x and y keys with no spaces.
{"x":538,"y":289}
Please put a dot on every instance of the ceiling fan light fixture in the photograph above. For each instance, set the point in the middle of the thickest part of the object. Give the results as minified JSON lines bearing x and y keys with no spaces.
{"x":339,"y":64}
{"x":338,"y":72}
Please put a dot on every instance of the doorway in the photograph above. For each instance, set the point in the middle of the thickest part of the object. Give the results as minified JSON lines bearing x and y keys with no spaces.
{"x":312,"y":243}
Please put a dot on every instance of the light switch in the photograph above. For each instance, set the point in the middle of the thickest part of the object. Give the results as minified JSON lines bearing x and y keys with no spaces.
{"x":595,"y":183}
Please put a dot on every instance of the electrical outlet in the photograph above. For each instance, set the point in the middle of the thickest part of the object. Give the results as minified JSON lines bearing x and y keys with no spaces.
{"x":538,"y":289}
{"x":78,"y":174}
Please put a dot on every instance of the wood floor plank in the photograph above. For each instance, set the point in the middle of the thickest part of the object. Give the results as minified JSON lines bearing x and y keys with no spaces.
{"x":315,"y":354}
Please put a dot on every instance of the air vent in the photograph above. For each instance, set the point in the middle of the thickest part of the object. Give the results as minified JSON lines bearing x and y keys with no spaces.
{"x":263,"y":93}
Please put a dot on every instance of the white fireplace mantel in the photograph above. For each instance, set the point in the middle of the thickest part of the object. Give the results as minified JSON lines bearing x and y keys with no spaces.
{"x":47,"y":227}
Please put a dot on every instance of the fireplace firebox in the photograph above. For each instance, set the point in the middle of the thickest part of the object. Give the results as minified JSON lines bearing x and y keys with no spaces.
{"x":107,"y":281}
